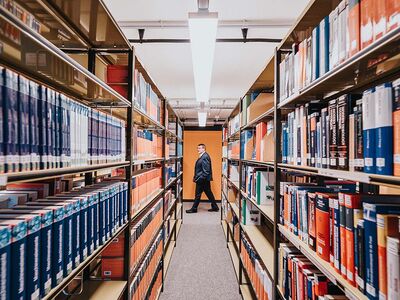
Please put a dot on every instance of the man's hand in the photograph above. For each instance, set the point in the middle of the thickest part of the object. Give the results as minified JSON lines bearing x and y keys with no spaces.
{"x":194,"y":179}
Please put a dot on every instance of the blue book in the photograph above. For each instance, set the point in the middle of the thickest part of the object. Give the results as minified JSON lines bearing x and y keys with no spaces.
{"x":324,"y":46}
{"x":43,"y":133}
{"x":10,"y":113}
{"x":34,"y":125}
{"x":5,"y":257}
{"x":2,"y":122}
{"x":23,"y":123}
{"x":369,"y":144}
{"x":57,"y":130}
{"x":18,"y":257}
{"x":32,"y":276}
{"x":384,"y":129}
{"x":49,"y":126}
{"x":373,"y":205}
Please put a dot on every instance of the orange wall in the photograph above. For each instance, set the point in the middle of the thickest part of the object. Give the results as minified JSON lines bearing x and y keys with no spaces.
{"x":213,"y":142}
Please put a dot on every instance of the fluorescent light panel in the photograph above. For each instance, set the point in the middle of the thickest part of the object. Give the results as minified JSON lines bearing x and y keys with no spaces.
{"x":202,"y":118}
{"x":203,"y":33}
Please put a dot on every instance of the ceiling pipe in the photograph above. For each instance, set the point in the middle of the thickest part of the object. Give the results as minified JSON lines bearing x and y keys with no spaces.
{"x":222,"y":40}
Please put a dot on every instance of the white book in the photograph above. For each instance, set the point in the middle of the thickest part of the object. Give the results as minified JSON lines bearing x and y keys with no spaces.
{"x":393,"y":268}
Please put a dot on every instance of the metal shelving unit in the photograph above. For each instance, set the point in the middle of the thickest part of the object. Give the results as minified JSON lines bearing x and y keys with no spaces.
{"x":82,"y":44}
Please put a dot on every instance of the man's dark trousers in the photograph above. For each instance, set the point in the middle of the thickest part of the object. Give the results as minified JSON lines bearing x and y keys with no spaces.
{"x":203,"y":185}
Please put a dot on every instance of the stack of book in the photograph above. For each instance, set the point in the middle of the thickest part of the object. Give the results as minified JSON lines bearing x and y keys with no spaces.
{"x":145,"y":98}
{"x":142,"y":280}
{"x":145,"y":186}
{"x":44,"y":129}
{"x":300,"y":279}
{"x":358,"y":234}
{"x":48,"y":236}
{"x":143,"y":232}
{"x":353,"y":132}
{"x":350,"y":27}
{"x":256,"y":270}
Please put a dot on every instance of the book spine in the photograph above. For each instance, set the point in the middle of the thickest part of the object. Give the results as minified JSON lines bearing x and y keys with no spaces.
{"x":313,"y":135}
{"x":354,"y":26}
{"x":2,"y":122}
{"x":322,"y":226}
{"x":343,"y":133}
{"x":384,"y":129}
{"x":336,"y":236}
{"x":366,"y":20}
{"x":324,"y":140}
{"x":312,"y":221}
{"x":393,"y":270}
{"x":351,"y":211}
{"x":396,"y":127}
{"x":332,"y":231}
{"x":23,"y":123}
{"x":369,"y":145}
{"x":319,"y":146}
{"x":358,"y":137}
{"x":333,"y":142}
{"x":361,"y":250}
{"x":343,"y":248}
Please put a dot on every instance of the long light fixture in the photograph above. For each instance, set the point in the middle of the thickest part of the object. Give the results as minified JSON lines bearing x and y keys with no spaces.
{"x":203,"y":32}
{"x":202,"y":118}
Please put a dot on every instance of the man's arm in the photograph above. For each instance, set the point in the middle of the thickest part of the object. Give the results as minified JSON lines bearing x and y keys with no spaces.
{"x":206,"y":166}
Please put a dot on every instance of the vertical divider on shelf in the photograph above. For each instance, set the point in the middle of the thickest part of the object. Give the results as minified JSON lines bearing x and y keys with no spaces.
{"x":277,"y":175}
{"x":164,"y":141}
{"x":240,"y":200}
{"x":129,"y":154}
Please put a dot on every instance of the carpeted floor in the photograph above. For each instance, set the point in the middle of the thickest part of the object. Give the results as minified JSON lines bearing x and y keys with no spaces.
{"x":201,"y":267}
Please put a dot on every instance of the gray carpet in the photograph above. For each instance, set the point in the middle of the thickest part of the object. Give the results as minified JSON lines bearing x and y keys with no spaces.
{"x":201,"y":267}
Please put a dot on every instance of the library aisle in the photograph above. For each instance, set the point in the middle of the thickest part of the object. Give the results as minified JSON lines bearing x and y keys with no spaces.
{"x":200,"y":267}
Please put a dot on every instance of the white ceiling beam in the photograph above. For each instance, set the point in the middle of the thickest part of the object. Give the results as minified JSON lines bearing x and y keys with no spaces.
{"x":271,"y":23}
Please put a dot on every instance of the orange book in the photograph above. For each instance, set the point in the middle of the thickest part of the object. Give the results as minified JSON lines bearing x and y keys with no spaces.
{"x":392,"y":14}
{"x":322,"y":225}
{"x":379,"y":19}
{"x":354,"y":26}
{"x":116,"y":247}
{"x":112,"y":268}
{"x":286,"y":208}
{"x":352,"y":204}
{"x":367,"y":22}
{"x":387,"y":225}
{"x":261,"y":131}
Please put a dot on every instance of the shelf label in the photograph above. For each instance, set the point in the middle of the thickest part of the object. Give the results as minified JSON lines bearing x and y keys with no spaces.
{"x":3,"y":180}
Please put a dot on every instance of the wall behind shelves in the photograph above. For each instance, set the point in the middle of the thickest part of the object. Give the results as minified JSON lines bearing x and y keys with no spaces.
{"x":213,"y":141}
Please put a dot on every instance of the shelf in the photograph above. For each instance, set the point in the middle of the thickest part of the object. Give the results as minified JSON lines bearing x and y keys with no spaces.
{"x":234,"y":257}
{"x":225,"y":228}
{"x":266,"y":210}
{"x":98,"y":290}
{"x":235,"y":208}
{"x":245,"y":290}
{"x":325,"y":267}
{"x":178,"y":227}
{"x":170,"y":209}
{"x":75,"y":272}
{"x":53,"y":173}
{"x":144,"y":120}
{"x":147,"y":161}
{"x":233,"y":183}
{"x":347,"y":175}
{"x":262,"y":245}
{"x":174,"y":158}
{"x":269,"y":114}
{"x":234,"y":135}
{"x":150,"y":200}
{"x":280,"y":293}
{"x":179,"y":208}
{"x":168,"y":256}
{"x":369,"y":64}
{"x":260,"y":163}
{"x":171,"y":182}
{"x":59,"y":70}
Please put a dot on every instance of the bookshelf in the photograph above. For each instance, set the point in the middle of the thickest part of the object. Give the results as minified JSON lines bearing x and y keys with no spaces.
{"x":75,"y":63}
{"x":370,"y":66}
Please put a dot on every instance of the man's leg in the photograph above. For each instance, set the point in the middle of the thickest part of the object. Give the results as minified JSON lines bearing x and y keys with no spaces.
{"x":199,"y":191}
{"x":210,"y":195}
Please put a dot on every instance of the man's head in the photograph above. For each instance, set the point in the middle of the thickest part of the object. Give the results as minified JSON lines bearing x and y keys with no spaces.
{"x":201,"y":148}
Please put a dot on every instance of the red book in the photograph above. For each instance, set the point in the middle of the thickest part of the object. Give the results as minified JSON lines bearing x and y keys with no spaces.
{"x":379,"y":19}
{"x":261,"y":131}
{"x":342,"y":235}
{"x":351,"y":202}
{"x":354,"y":26}
{"x":367,"y":22}
{"x":323,"y":225}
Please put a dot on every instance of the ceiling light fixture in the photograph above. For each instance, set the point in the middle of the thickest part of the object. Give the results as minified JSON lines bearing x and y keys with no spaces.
{"x":203,"y":32}
{"x":202,"y":118}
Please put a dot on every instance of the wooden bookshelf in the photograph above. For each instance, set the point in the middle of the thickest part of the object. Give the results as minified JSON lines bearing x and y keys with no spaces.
{"x":168,"y":256}
{"x":98,"y":290}
{"x":266,"y":210}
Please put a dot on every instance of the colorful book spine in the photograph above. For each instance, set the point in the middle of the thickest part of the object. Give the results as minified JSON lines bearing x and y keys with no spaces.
{"x":369,"y":145}
{"x":393,"y":270}
{"x":333,"y":134}
{"x":358,"y":137}
{"x":322,"y":226}
{"x":396,"y":127}
{"x":354,"y":26}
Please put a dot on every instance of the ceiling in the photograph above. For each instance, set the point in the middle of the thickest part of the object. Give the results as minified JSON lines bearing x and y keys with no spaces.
{"x":236,"y":65}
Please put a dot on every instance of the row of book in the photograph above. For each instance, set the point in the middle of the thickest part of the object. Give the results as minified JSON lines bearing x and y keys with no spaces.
{"x":142,"y":280}
{"x":47,"y":237}
{"x":43,"y":129}
{"x":350,"y":27}
{"x":300,"y":279}
{"x":233,"y":150}
{"x":348,"y":230}
{"x":258,"y":184}
{"x":143,"y":232}
{"x":23,"y":15}
{"x":145,"y":98}
{"x":145,"y":186}
{"x":256,"y":270}
{"x":146,"y":144}
{"x":353,"y":132}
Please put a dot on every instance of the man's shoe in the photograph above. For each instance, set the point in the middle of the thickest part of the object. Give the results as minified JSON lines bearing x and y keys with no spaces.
{"x":214,"y":209}
{"x":191,"y":211}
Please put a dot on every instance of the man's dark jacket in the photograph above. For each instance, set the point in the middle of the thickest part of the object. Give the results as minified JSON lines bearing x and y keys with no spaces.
{"x":203,"y":169}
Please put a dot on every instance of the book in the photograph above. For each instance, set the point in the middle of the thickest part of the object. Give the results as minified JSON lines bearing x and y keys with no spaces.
{"x":322,"y":225}
{"x":379,"y":19}
{"x":393,"y":270}
{"x":360,"y":276}
{"x":5,"y":256}
{"x":358,"y":137}
{"x":396,"y":127}
{"x":366,"y":22}
{"x":392,"y":14}
{"x":354,"y":26}
{"x":369,"y":148}
{"x":333,"y":138}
